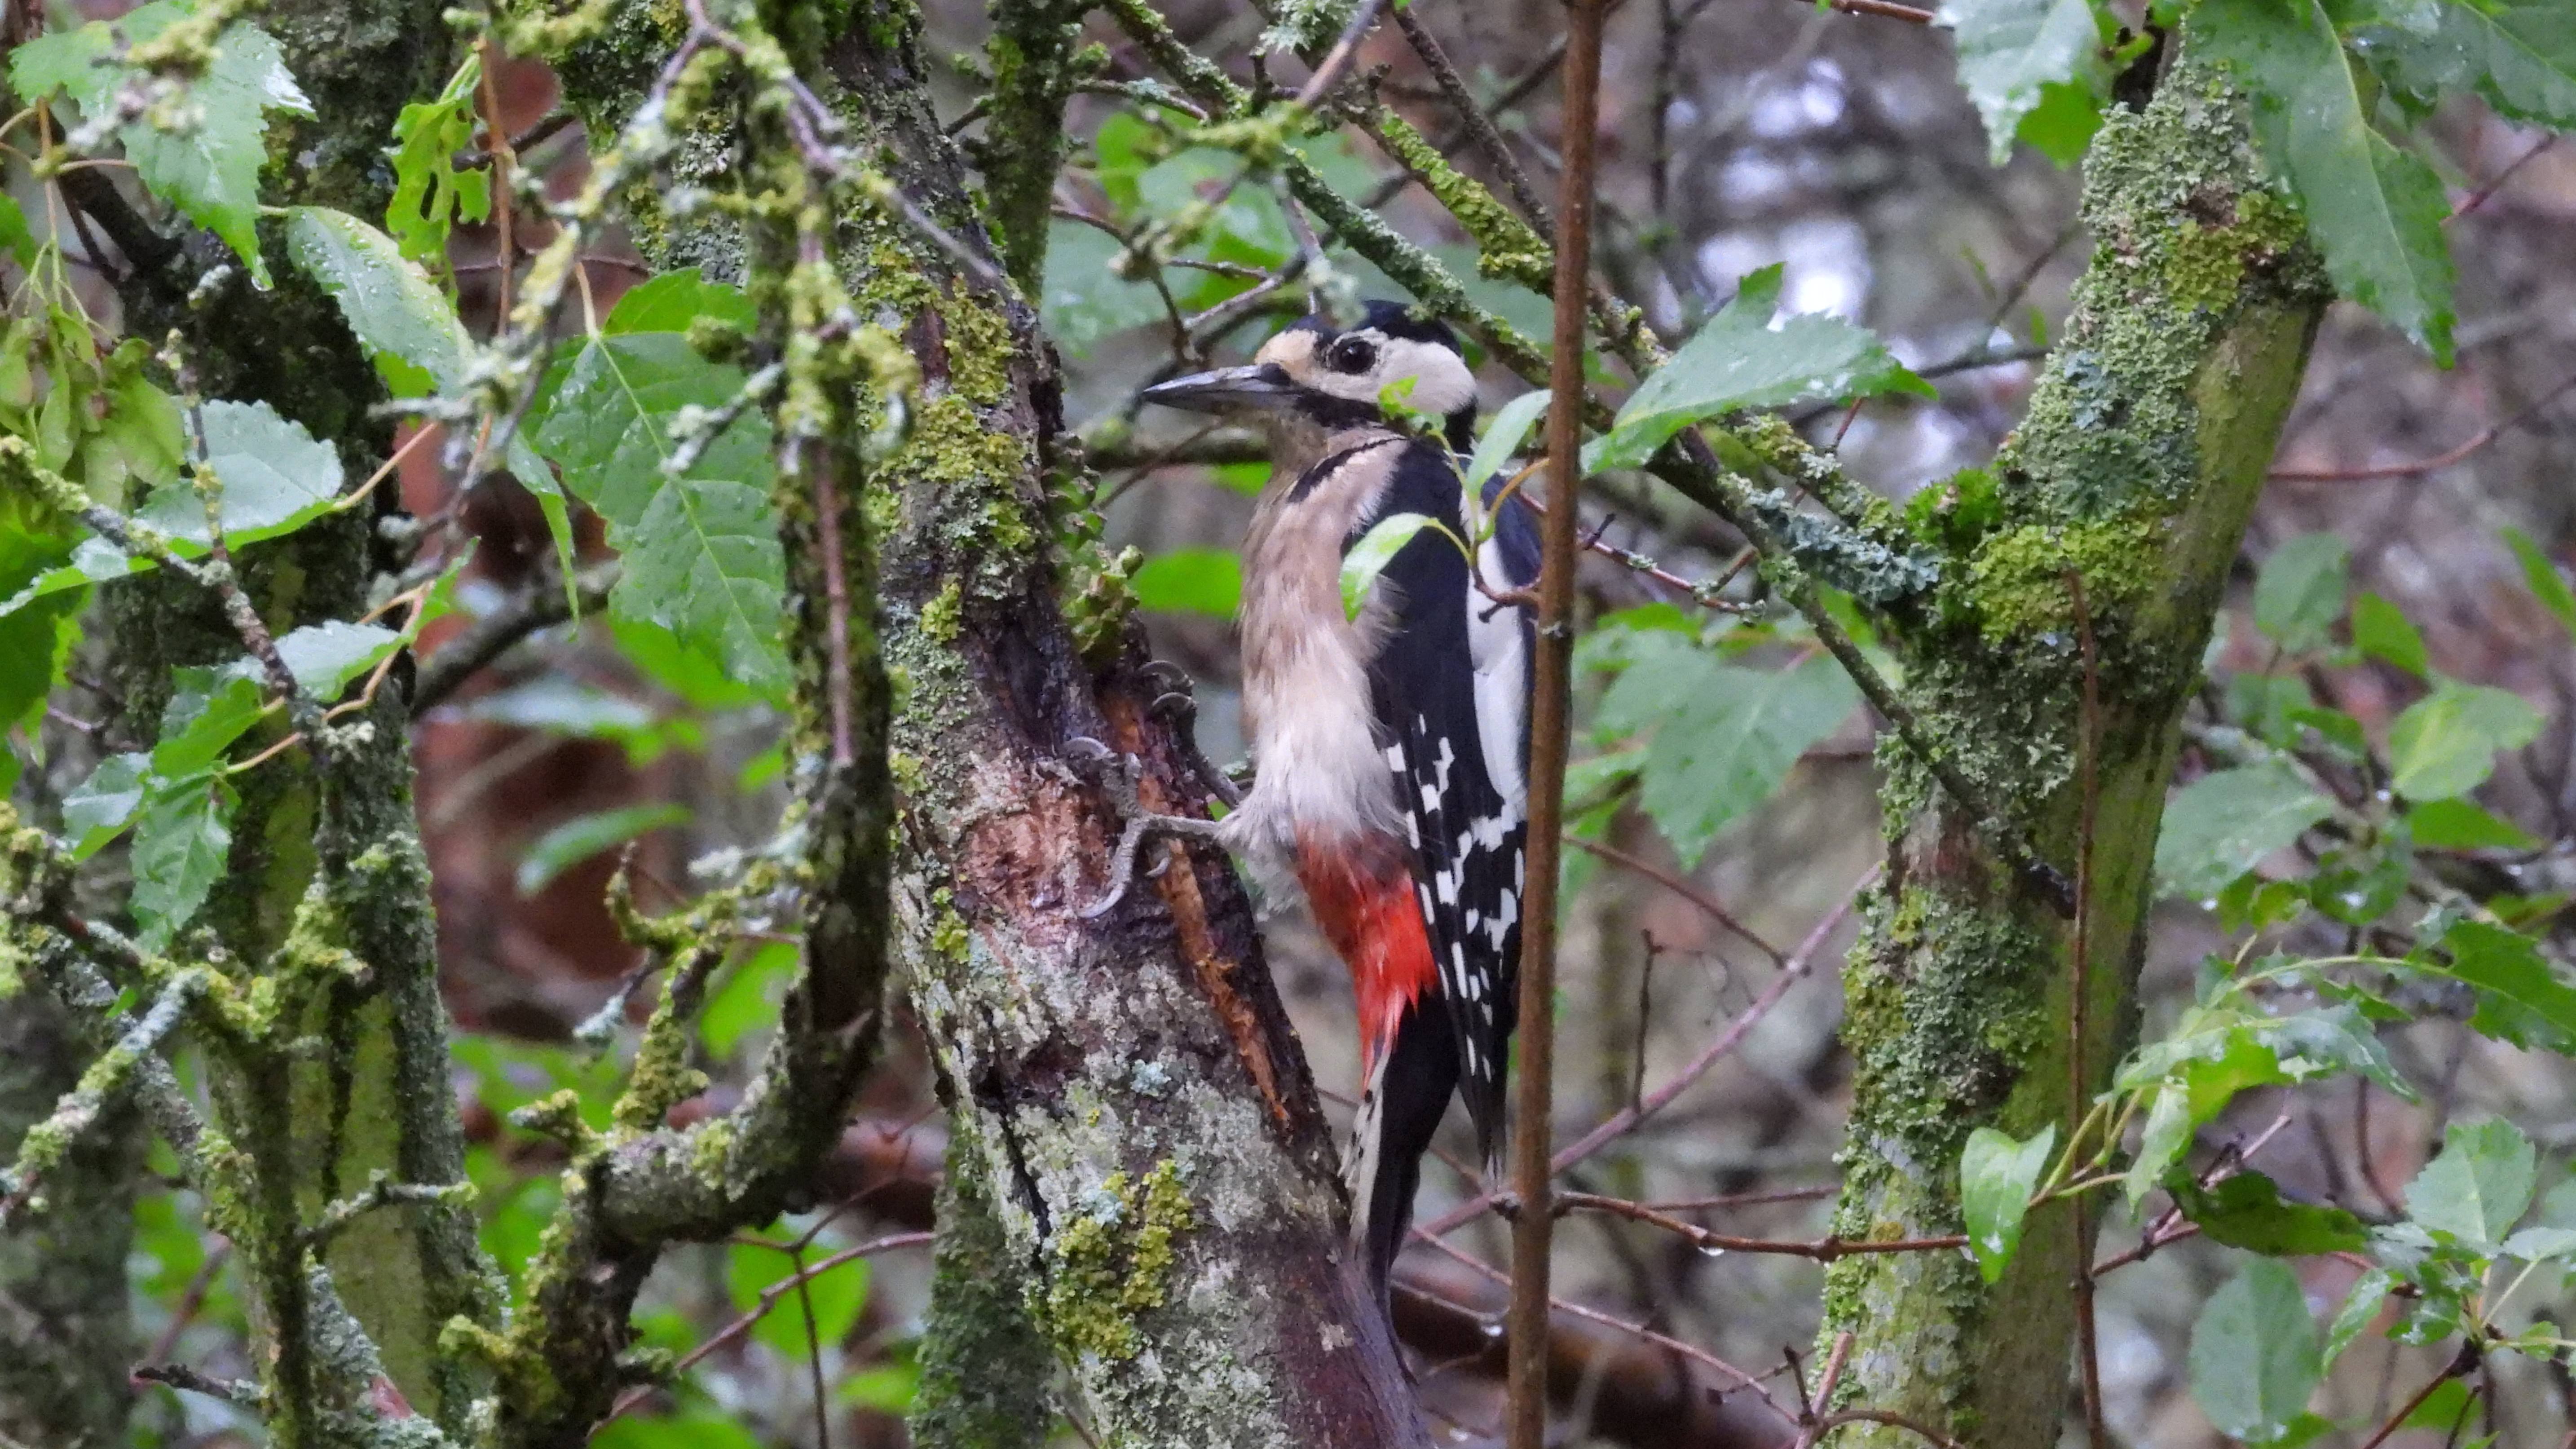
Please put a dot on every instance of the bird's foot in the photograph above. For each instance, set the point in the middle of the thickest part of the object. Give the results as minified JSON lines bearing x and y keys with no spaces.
{"x":1177,"y":704}
{"x":1116,"y":774}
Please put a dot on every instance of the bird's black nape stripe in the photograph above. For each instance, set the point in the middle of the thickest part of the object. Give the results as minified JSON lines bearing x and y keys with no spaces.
{"x":1395,"y":319}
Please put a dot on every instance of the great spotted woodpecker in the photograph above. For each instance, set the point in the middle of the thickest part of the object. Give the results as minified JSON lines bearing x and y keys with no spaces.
{"x":1390,"y":747}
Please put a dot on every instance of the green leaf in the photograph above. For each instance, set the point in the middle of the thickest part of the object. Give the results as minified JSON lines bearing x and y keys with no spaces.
{"x":2254,"y":1354}
{"x":692,"y":673}
{"x":2246,"y":1211}
{"x":690,"y":1429}
{"x":1725,"y":735}
{"x":2520,"y":999}
{"x":671,"y":301}
{"x":181,"y":841}
{"x":2223,"y":824}
{"x":98,"y":809}
{"x":2360,"y":1308}
{"x":19,"y":242}
{"x":2380,"y":630}
{"x":2375,"y":211}
{"x":2010,"y":51}
{"x":2300,"y":592}
{"x":2538,"y":1244}
{"x":701,"y":550}
{"x":837,"y":1296}
{"x":1503,"y":438}
{"x":2446,"y":743}
{"x":201,"y":150}
{"x":1191,"y":581}
{"x":2478,"y":1188}
{"x":2543,"y":577}
{"x":430,"y":194}
{"x":1366,"y":559}
{"x":1086,"y":299}
{"x":562,"y":706}
{"x":397,"y":313}
{"x":208,"y":710}
{"x":584,"y":836}
{"x":748,"y":998}
{"x":2218,"y":1050}
{"x":1739,"y":360}
{"x":2518,"y":54}
{"x":2456,"y":824}
{"x":1996,"y":1178}
{"x":325,"y":657}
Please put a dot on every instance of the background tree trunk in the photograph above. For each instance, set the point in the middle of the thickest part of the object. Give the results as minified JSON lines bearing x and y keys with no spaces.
{"x":2135,"y":469}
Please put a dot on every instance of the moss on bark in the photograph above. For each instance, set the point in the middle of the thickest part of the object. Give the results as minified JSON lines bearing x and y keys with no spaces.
{"x":2134,"y":471}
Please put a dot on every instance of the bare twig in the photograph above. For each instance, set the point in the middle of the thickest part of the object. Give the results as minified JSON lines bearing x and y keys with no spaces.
{"x":1823,"y":1250}
{"x":1525,"y":1414}
{"x":2087,"y":747}
{"x":1715,"y":910}
{"x":2439,"y":460}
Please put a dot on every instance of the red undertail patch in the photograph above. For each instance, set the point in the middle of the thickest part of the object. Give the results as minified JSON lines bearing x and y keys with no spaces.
{"x":1363,"y":897}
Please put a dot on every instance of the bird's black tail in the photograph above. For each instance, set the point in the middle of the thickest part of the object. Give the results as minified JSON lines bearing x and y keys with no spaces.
{"x":1400,"y":1111}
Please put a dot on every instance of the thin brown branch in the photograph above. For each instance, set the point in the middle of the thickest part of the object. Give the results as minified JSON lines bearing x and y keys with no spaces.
{"x":1826,"y":1249}
{"x":1628,"y":1119}
{"x":1708,"y":904}
{"x":2427,"y":465}
{"x":2088,"y":745}
{"x":1525,"y":1413}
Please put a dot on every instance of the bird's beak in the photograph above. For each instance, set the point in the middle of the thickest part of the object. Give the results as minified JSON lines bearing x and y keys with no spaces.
{"x":1228,"y":389}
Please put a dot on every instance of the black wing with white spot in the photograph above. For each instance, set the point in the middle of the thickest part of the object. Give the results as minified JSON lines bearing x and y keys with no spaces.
{"x":1450,"y":688}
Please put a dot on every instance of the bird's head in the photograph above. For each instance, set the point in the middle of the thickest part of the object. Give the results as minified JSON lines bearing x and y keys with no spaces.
{"x":1314,"y":374}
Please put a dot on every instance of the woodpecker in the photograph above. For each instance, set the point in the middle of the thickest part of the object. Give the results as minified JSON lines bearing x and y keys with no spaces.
{"x":1390,"y":748}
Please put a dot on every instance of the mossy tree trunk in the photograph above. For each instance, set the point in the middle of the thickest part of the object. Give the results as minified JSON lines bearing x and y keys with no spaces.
{"x":2145,"y":446}
{"x":327,"y":891}
{"x":1130,"y":1105}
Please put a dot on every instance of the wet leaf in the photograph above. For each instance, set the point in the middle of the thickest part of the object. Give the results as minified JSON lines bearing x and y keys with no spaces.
{"x":2300,"y":592}
{"x":1725,"y":735}
{"x":2011,"y":51}
{"x":582,"y":837}
{"x":2223,"y":824}
{"x":2478,"y":1187}
{"x":181,"y":841}
{"x":2254,"y":1354}
{"x":1996,"y":1178}
{"x":2445,"y":743}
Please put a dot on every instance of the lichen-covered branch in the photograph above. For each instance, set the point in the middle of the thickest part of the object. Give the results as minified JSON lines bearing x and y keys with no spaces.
{"x":2145,"y":445}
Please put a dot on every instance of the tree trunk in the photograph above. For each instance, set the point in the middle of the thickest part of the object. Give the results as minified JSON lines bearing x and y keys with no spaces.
{"x":329,"y":859}
{"x":2143,"y":451}
{"x":1127,"y":1087}
{"x":66,"y":1336}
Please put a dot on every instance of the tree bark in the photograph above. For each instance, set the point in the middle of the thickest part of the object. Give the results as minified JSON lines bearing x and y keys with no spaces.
{"x":1127,"y":1087}
{"x":66,"y":1334}
{"x":2143,"y":451}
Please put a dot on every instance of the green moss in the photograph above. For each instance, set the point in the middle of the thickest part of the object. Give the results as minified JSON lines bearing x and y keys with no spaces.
{"x":2018,"y":581}
{"x":939,"y":617}
{"x":1506,"y":248}
{"x":1111,"y":1262}
{"x":948,"y":934}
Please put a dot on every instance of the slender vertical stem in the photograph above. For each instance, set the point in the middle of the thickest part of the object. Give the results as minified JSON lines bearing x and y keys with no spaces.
{"x":1526,"y":1412}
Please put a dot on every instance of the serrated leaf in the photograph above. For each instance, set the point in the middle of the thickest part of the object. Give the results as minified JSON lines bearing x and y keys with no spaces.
{"x":396,"y":312}
{"x":181,"y":841}
{"x":324,"y":657}
{"x":200,"y":150}
{"x":2246,"y":1211}
{"x":1503,"y":437}
{"x":2543,"y":578}
{"x":1996,"y":1178}
{"x":2520,"y":999}
{"x":1190,"y":581}
{"x":2478,"y":1187}
{"x":1725,"y":735}
{"x":2536,"y":1244}
{"x":2010,"y":51}
{"x":98,"y":809}
{"x":701,"y":550}
{"x":2223,"y":824}
{"x":430,"y":194}
{"x":2374,"y":211}
{"x":2300,"y":591}
{"x":2518,"y":54}
{"x":671,"y":301}
{"x":2380,"y":629}
{"x":582,"y":837}
{"x":1740,"y":360}
{"x":2445,"y":743}
{"x":208,"y":710}
{"x":2254,"y":1354}
{"x":2361,"y":1307}
{"x":2456,"y":824}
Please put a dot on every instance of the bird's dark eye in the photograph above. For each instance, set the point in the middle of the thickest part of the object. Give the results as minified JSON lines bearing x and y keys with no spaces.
{"x":1350,"y":354}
